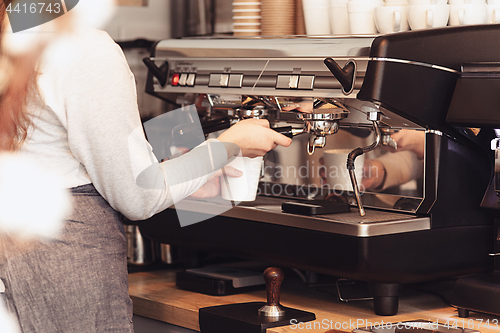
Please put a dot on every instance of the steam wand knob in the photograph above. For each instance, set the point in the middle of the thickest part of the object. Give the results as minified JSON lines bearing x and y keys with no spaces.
{"x":346,"y":75}
{"x":161,"y":73}
{"x":273,"y":277}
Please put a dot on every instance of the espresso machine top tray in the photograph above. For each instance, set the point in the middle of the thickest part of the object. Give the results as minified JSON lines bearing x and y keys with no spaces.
{"x":268,"y":210}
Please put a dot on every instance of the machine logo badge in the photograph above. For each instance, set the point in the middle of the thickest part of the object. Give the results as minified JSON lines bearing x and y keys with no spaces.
{"x":27,"y":14}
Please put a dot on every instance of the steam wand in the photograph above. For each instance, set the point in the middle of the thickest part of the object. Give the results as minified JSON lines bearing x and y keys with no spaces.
{"x":373,"y":116}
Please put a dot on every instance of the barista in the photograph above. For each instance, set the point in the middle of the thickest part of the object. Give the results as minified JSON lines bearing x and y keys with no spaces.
{"x":393,"y":168}
{"x":77,"y":116}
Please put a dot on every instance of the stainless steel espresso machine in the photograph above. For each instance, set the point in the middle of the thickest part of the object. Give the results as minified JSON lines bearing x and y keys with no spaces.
{"x":363,"y":90}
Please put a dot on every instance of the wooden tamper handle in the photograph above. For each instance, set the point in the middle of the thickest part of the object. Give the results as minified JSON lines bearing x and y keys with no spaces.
{"x":273,"y":277}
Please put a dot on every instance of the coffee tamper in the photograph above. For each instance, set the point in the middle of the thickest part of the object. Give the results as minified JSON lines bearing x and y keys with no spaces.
{"x":273,"y":277}
{"x":253,"y":317}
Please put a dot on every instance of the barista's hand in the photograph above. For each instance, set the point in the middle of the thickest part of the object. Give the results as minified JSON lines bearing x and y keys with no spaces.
{"x":212,"y":187}
{"x":254,"y":137}
{"x":411,"y":140}
{"x":373,"y":175}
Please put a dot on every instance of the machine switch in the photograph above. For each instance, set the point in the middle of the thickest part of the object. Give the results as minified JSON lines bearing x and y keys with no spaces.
{"x":283,"y":82}
{"x":214,"y":80}
{"x":235,"y":80}
{"x":306,"y":82}
{"x":294,"y":82}
{"x":183,"y":79}
{"x":175,"y":79}
{"x":224,"y":80}
{"x":190,"y":79}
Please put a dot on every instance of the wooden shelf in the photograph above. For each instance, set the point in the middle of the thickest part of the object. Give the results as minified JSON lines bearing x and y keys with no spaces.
{"x":155,"y":296}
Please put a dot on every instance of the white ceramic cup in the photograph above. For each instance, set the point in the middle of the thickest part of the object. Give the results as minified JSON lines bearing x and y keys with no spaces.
{"x":317,"y":17}
{"x":339,"y":19}
{"x":389,"y":19}
{"x":242,"y":188}
{"x":362,"y":17}
{"x":493,"y":14}
{"x":428,"y":16}
{"x":337,"y":175}
{"x":468,"y":14}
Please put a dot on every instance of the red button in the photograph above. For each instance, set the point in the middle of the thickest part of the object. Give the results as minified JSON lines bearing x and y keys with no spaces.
{"x":175,"y":79}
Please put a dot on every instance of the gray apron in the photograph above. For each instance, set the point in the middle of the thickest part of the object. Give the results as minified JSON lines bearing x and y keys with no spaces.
{"x":76,"y":283}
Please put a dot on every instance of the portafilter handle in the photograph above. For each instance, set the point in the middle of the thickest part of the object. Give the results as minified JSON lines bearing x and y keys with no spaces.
{"x":273,"y":277}
{"x":289,"y":131}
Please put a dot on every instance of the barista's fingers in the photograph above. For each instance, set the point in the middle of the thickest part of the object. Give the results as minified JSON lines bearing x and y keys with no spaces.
{"x":231,"y":172}
{"x":373,"y":175}
{"x":227,"y":170}
{"x":261,"y":122}
{"x":280,"y":139}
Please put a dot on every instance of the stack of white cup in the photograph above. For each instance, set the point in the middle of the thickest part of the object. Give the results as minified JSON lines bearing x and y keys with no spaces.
{"x":339,"y":18}
{"x":317,"y":17}
{"x":362,"y":16}
{"x":465,"y":12}
{"x":392,"y":17}
{"x":424,"y":14}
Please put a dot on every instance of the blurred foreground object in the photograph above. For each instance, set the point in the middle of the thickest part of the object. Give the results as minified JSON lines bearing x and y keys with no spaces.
{"x":33,"y":202}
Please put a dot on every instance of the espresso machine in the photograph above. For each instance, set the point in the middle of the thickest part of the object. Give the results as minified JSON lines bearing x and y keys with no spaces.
{"x":370,"y":87}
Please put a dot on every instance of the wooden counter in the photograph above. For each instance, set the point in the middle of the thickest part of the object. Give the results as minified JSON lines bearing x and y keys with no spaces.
{"x":155,"y":296}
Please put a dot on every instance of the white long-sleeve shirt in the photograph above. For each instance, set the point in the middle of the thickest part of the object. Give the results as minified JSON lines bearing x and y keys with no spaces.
{"x":87,"y":129}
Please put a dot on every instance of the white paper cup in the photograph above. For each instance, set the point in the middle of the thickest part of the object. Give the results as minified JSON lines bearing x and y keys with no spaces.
{"x":317,"y":17}
{"x":317,"y":21}
{"x":337,"y":175}
{"x":467,"y":14}
{"x":242,"y":188}
{"x":389,"y":19}
{"x":362,"y":16}
{"x":428,"y":16}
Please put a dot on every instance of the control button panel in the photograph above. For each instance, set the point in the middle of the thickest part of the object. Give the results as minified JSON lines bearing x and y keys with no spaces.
{"x":301,"y":82}
{"x":226,"y":80}
{"x":183,"y":79}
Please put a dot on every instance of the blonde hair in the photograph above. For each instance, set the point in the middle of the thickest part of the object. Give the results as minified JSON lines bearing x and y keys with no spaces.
{"x":17,"y":84}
